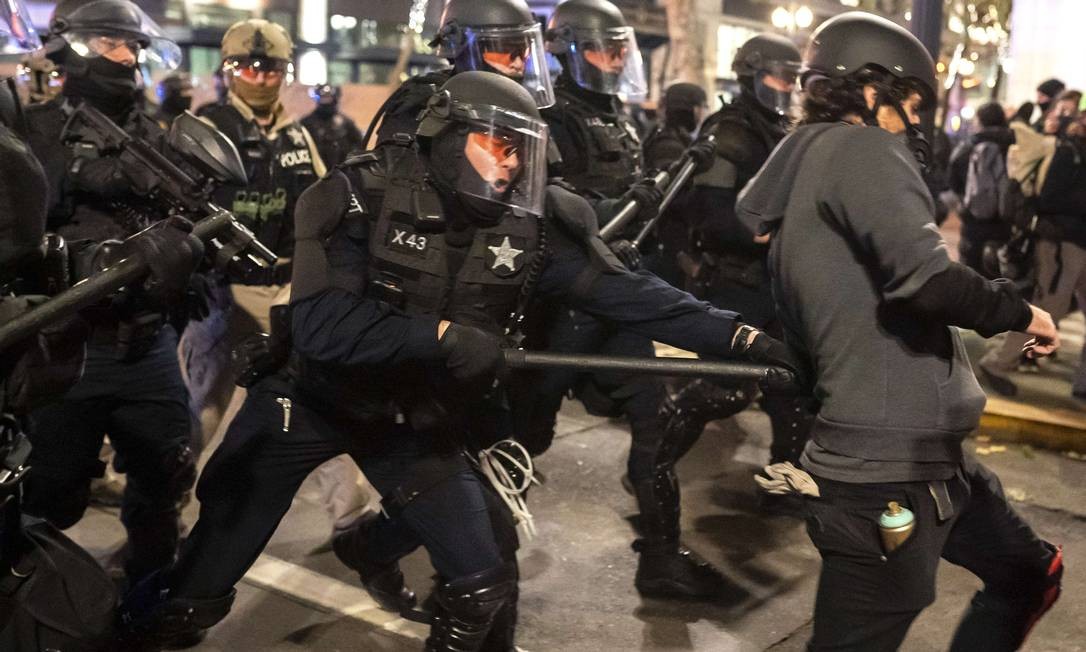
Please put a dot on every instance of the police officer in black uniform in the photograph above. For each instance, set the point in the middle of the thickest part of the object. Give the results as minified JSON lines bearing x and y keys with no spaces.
{"x":597,"y":151}
{"x":401,"y":295}
{"x":727,"y":267}
{"x":684,"y":107}
{"x":131,"y":388}
{"x":335,"y":134}
{"x":868,"y":295}
{"x":500,"y":36}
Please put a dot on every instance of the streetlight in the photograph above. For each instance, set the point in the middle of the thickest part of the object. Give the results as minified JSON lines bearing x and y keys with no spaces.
{"x":790,"y":19}
{"x":804,"y":17}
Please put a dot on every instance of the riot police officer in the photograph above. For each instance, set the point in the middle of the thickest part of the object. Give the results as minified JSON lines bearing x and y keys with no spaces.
{"x":869,"y":297}
{"x":500,"y":36}
{"x":335,"y":134}
{"x":600,"y":155}
{"x":174,"y":97}
{"x":726,"y":266}
{"x":401,"y":293}
{"x":131,"y":387}
{"x":684,"y":107}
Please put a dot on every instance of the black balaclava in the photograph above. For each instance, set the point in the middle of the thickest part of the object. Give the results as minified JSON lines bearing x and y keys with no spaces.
{"x":327,"y":111}
{"x":106,"y":85}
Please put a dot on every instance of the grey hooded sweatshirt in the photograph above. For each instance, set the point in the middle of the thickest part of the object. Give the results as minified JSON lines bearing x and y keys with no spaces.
{"x":853,"y":245}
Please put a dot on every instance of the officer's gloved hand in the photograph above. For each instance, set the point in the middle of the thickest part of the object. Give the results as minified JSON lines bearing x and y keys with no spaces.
{"x":170,"y":251}
{"x":703,"y":153}
{"x":198,"y":297}
{"x":140,"y":176}
{"x":322,"y":206}
{"x":470,"y":353}
{"x":627,"y":253}
{"x":648,"y":197}
{"x":759,"y":347}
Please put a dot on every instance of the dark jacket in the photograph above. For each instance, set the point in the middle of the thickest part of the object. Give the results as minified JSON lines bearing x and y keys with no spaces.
{"x":1061,"y":204}
{"x":853,"y":256}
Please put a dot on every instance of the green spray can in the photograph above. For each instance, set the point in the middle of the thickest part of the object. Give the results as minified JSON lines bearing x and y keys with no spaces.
{"x":895,"y":526}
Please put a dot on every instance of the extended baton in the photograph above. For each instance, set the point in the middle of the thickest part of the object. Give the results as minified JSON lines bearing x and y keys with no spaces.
{"x":521,"y":359}
{"x":629,"y":211}
{"x":102,"y":284}
{"x":677,"y":185}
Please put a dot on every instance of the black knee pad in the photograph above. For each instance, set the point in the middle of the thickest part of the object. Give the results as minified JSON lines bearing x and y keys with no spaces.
{"x":467,"y":607}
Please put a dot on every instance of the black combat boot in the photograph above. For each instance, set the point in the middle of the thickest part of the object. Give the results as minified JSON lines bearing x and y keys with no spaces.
{"x":467,"y":609}
{"x":150,"y":619}
{"x":384,"y":582}
{"x":665,"y":568}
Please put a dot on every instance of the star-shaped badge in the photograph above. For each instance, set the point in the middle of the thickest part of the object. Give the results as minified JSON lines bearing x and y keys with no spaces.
{"x":505,"y":256}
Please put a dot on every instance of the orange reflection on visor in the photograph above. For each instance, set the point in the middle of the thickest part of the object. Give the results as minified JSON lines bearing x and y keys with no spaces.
{"x":500,"y":146}
{"x":507,"y":58}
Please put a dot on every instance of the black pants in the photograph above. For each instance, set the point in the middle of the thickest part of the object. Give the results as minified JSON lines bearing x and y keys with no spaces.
{"x":637,"y":397}
{"x":143,"y":407}
{"x":250,"y":481}
{"x":867,"y":599}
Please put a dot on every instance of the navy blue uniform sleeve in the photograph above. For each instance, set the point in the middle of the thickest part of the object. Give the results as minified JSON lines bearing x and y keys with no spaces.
{"x":340,"y":326}
{"x":639,"y":302}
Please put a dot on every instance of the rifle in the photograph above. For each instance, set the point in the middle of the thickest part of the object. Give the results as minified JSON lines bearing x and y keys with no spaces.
{"x":230,"y":245}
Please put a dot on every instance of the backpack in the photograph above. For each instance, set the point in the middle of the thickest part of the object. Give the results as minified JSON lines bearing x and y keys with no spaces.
{"x":986,"y":175}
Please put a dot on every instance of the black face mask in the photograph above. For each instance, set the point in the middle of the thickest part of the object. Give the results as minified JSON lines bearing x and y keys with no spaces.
{"x":176,"y":104}
{"x":327,"y":110}
{"x":108,"y":86}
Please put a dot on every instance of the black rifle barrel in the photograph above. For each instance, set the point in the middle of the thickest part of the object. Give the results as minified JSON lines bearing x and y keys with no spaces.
{"x":629,"y":211}
{"x":521,"y":359}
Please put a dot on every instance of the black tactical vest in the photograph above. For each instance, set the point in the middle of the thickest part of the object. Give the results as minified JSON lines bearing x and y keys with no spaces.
{"x":416,"y":269}
{"x":279,"y":170}
{"x":605,"y":152}
{"x":335,"y":137}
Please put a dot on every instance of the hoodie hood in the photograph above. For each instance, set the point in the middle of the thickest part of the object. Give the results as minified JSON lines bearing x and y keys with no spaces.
{"x":763,"y":201}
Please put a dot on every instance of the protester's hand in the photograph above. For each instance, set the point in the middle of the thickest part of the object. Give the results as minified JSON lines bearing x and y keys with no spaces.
{"x":625,"y":251}
{"x":1046,"y":337}
{"x":648,"y":197}
{"x":470,"y":353}
{"x":703,"y":153}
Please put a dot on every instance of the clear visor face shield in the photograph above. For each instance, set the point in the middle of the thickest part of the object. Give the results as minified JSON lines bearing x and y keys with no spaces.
{"x":514,"y":52}
{"x":17,"y":35}
{"x":608,"y":62}
{"x":147,"y":43}
{"x":775,"y":86}
{"x":505,"y":159}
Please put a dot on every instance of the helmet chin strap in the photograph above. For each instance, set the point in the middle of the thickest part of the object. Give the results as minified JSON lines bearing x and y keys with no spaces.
{"x":915,"y":140}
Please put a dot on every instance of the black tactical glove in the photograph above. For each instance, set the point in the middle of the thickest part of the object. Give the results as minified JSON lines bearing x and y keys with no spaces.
{"x":112,"y":175}
{"x":170,"y":251}
{"x":759,"y":347}
{"x":198,"y":297}
{"x":322,"y":206}
{"x":648,"y":197}
{"x":470,"y":353}
{"x":627,"y":253}
{"x":703,"y":153}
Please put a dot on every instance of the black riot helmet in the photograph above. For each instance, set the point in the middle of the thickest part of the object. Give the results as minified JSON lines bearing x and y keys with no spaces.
{"x":499,"y":36}
{"x":325,"y":95}
{"x":767,"y":66}
{"x":92,"y":29}
{"x":876,"y":51}
{"x":597,"y":47}
{"x":488,"y":143}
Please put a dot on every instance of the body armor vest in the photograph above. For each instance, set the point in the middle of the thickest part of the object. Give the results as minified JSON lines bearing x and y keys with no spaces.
{"x":608,"y":158}
{"x":279,"y":169}
{"x":335,"y":136}
{"x":417,"y":269}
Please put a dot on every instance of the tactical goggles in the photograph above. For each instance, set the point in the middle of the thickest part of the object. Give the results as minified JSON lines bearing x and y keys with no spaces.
{"x":252,"y":69}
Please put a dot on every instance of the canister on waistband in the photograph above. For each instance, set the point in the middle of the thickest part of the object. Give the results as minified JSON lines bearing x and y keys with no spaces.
{"x":895,"y":526}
